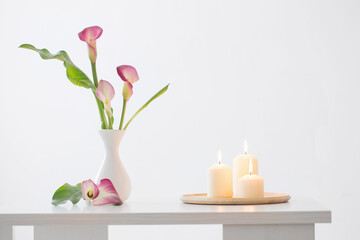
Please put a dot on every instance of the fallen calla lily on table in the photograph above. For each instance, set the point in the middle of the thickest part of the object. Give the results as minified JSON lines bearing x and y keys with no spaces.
{"x":89,"y":190}
{"x":102,"y":194}
{"x":107,"y":194}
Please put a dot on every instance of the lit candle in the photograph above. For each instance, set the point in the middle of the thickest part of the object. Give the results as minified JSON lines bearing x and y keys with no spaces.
{"x":220,"y":180}
{"x":251,"y":185}
{"x":241,"y":166}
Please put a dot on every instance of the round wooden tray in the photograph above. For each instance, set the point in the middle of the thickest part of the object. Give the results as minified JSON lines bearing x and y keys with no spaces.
{"x":201,"y":198}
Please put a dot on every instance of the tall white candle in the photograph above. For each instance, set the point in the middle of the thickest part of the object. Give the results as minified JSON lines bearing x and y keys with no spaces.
{"x":241,"y":166}
{"x":220,"y":180}
{"x":250,"y":186}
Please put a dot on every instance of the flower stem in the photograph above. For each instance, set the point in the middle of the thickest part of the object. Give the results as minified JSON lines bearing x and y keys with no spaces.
{"x":93,"y":69}
{"x":122,"y":114}
{"x":110,"y":123}
{"x":101,"y":112}
{"x":98,"y":102}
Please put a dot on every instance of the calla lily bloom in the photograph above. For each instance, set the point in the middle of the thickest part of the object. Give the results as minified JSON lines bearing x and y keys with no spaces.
{"x":89,"y":35}
{"x":129,"y":75}
{"x":107,"y":195}
{"x":89,"y":190}
{"x":127,"y":91}
{"x":105,"y":92}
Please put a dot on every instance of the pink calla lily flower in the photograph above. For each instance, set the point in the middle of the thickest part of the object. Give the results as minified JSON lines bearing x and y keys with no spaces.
{"x":89,"y":35}
{"x":89,"y":190}
{"x":127,"y":91}
{"x":129,"y":75}
{"x":105,"y":92}
{"x":107,"y":194}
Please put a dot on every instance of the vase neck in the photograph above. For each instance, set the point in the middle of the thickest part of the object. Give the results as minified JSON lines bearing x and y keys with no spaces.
{"x":111,"y":139}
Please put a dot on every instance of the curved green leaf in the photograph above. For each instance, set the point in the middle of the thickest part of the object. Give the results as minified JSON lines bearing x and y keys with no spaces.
{"x":73,"y":73}
{"x":158,"y":94}
{"x":66,"y":193}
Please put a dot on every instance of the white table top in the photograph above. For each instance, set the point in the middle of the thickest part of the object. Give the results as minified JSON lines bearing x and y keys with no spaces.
{"x":297,"y":211}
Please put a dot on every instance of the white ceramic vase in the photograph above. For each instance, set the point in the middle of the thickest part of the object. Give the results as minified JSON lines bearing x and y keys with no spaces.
{"x":112,"y":167}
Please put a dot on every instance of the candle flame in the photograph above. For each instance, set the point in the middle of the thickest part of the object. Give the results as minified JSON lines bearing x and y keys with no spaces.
{"x":250,"y":167}
{"x":245,"y":147}
{"x":219,"y":157}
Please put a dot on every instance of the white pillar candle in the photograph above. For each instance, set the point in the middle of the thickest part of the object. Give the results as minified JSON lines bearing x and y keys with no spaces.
{"x":220,"y":180}
{"x":250,"y":186}
{"x":241,"y":166}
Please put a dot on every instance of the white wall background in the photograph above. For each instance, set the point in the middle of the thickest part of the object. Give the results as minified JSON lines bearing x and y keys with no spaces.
{"x":283,"y":74}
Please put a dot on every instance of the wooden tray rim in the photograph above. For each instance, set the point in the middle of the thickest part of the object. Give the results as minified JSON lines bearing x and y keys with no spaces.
{"x":269,"y":198}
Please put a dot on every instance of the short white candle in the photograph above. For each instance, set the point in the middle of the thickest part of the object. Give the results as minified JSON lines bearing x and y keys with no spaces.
{"x":251,"y":185}
{"x":241,"y":166}
{"x":220,"y":180}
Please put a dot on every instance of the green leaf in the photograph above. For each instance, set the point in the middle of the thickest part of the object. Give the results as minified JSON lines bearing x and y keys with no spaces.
{"x":158,"y":94}
{"x":73,"y":73}
{"x":66,"y":193}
